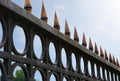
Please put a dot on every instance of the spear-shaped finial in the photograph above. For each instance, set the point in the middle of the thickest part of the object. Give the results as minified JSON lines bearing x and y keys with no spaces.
{"x":84,"y":43}
{"x":114,"y":60}
{"x":96,"y":49}
{"x":76,"y":38}
{"x":101,"y":52}
{"x":27,"y":6}
{"x":43,"y":13}
{"x":117,"y":62}
{"x":106,"y":56}
{"x":110,"y":58}
{"x":56,"y":22}
{"x":90,"y":45}
{"x":67,"y":30}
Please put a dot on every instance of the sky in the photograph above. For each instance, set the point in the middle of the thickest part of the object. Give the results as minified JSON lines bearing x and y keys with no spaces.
{"x":98,"y":19}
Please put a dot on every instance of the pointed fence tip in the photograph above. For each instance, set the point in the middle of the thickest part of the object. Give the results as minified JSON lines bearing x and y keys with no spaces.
{"x":110,"y":58}
{"x":27,"y":6}
{"x":90,"y":45}
{"x":67,"y":30}
{"x":76,"y":38}
{"x":106,"y":56}
{"x":117,"y":62}
{"x":56,"y":22}
{"x":101,"y":52}
{"x":44,"y":14}
{"x":114,"y":60}
{"x":84,"y":43}
{"x":96,"y":49}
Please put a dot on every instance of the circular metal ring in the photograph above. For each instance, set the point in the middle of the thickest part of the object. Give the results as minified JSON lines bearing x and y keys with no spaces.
{"x":74,"y":61}
{"x":66,"y":77}
{"x":26,"y":39}
{"x":56,"y":52}
{"x":42,"y":47}
{"x":64,"y":53}
{"x":55,"y":75}
{"x":42,"y":72}
{"x":22,"y":67}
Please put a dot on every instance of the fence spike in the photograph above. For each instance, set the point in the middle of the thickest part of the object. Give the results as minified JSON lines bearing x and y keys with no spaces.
{"x":114,"y":60}
{"x":56,"y":22}
{"x":96,"y":49}
{"x":110,"y":58}
{"x":44,"y":14}
{"x":76,"y":38}
{"x":84,"y":43}
{"x":101,"y":52}
{"x":106,"y":56}
{"x":90,"y":45}
{"x":67,"y":30}
{"x":117,"y":62}
{"x":27,"y":6}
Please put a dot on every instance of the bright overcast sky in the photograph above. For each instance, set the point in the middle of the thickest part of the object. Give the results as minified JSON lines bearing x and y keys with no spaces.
{"x":99,"y":19}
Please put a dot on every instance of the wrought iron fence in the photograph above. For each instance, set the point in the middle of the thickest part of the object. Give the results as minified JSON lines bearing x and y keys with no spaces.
{"x":59,"y":56}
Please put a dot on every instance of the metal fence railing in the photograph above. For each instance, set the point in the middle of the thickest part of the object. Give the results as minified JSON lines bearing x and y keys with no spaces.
{"x":58,"y":56}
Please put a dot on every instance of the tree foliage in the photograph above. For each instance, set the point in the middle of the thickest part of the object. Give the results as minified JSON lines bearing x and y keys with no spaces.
{"x":19,"y":75}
